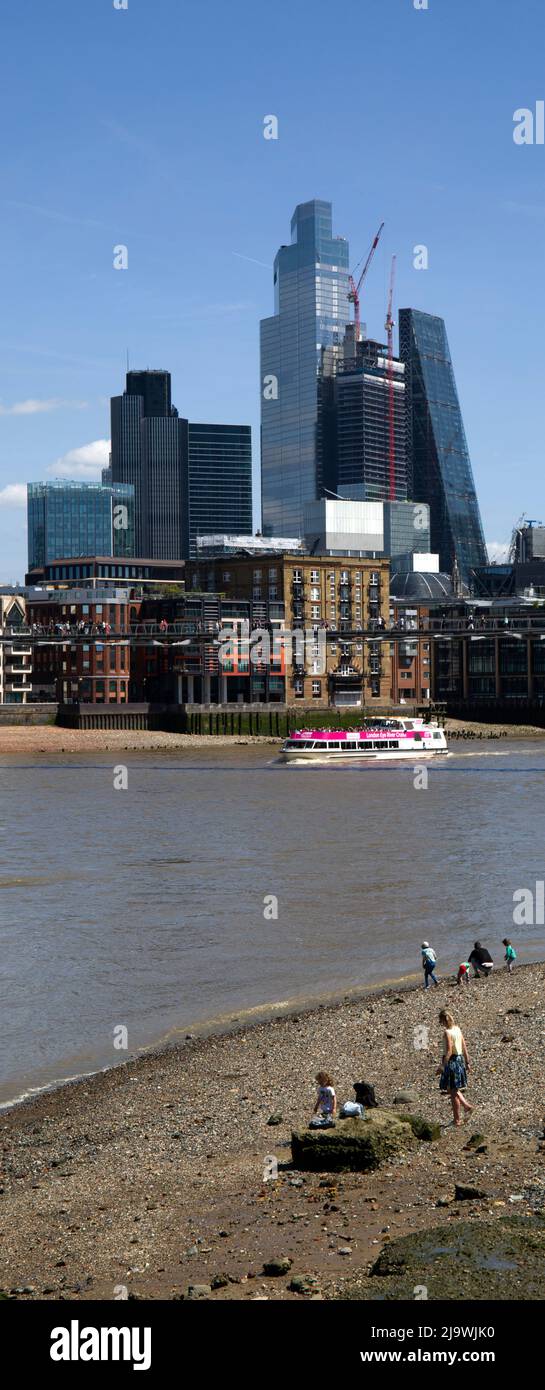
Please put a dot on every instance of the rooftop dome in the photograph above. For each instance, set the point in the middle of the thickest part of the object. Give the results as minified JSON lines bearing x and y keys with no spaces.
{"x":417,"y":585}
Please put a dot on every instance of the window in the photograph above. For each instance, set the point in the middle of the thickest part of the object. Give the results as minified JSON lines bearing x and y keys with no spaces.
{"x":298,"y":687}
{"x":315,"y":595}
{"x":314,"y":576}
{"x":316,"y":689}
{"x":315,"y":612}
{"x":226,"y":577}
{"x":257,"y":575}
{"x":297,"y":576}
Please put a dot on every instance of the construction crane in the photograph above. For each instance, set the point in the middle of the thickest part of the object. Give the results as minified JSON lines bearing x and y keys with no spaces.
{"x":389,"y":326}
{"x":524,"y":523}
{"x":354,"y":292}
{"x":514,"y":535}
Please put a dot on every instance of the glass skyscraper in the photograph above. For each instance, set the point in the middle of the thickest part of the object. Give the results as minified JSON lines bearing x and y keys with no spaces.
{"x":218,"y":482}
{"x":298,"y":344}
{"x":69,"y":519}
{"x":439,"y":461}
{"x":147,"y":452}
{"x":361,"y":396}
{"x":188,"y":478}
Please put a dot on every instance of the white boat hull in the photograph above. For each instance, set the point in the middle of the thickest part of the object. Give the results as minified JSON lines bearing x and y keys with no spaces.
{"x":361,"y":755}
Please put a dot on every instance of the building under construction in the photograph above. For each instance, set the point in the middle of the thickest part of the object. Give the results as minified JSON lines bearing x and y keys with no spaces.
{"x":368,"y":392}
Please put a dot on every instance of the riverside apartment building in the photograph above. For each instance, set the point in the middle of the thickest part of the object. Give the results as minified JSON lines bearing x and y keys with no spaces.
{"x":344,"y":599}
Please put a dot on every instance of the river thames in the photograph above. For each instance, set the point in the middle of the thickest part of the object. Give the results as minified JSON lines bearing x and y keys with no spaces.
{"x":221,"y":881}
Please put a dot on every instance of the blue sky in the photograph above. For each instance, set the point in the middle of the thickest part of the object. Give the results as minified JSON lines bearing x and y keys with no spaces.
{"x":144,"y":127}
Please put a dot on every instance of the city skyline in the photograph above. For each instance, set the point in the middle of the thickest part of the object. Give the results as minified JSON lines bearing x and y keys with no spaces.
{"x":199,"y":271}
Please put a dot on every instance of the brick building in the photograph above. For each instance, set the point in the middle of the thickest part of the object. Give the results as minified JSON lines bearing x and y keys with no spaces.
{"x":343,"y":596}
{"x":82,"y":644}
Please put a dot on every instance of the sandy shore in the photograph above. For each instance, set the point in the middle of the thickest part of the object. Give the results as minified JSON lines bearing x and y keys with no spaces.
{"x":151,"y":1175}
{"x":35,"y":738}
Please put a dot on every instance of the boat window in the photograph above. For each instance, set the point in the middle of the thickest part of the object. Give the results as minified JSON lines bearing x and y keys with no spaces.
{"x":393,"y":743}
{"x":437,"y":735}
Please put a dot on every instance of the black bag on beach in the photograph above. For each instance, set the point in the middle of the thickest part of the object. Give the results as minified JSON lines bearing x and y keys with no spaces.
{"x":365,"y":1094}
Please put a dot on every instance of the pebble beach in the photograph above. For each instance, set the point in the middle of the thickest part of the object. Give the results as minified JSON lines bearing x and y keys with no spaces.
{"x":151,"y":1177}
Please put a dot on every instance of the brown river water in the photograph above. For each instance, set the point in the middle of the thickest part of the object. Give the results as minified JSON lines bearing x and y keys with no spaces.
{"x":222,"y":881}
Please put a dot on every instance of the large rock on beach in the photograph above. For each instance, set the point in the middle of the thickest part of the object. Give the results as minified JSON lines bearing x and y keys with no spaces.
{"x":500,"y":1260}
{"x":354,"y":1145}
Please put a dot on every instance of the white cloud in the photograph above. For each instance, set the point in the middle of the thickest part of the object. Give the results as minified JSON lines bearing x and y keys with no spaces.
{"x":13,"y":495}
{"x":33,"y":407}
{"x":86,"y":462}
{"x":497,"y":551}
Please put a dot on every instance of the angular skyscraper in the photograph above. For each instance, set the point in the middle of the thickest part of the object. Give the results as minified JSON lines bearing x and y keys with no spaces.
{"x":299,"y":344}
{"x":439,"y":462}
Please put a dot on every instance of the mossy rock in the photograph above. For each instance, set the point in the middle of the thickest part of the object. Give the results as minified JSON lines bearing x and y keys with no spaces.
{"x":354,"y":1145}
{"x":428,"y":1130}
{"x":501,"y":1260}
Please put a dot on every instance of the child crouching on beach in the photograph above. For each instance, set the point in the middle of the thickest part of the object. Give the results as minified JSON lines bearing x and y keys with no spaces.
{"x":463,"y":975}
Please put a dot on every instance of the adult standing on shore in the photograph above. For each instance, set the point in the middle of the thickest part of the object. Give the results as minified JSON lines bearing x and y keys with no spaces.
{"x":454,"y":1066}
{"x":429,"y":963}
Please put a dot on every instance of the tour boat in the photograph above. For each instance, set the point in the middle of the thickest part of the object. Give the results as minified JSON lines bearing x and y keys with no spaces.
{"x":377,"y":738}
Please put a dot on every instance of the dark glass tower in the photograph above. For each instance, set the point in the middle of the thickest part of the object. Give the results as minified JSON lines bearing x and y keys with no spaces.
{"x":187,"y":478}
{"x":299,"y":343}
{"x":361,"y":394}
{"x":439,"y":459}
{"x":219,"y":482}
{"x":147,"y":451}
{"x":155,"y":389}
{"x":126,"y":458}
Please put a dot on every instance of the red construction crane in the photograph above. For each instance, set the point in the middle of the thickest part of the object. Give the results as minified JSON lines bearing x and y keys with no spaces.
{"x":354,"y":292}
{"x":389,"y":326}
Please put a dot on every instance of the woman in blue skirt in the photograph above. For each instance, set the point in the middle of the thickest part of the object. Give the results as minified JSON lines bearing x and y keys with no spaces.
{"x":454,"y":1066}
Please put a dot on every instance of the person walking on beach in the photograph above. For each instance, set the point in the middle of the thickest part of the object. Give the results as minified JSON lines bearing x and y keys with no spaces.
{"x":326,"y":1103}
{"x":454,"y":1066}
{"x":510,"y":954}
{"x":429,"y":960}
{"x":481,"y":960}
